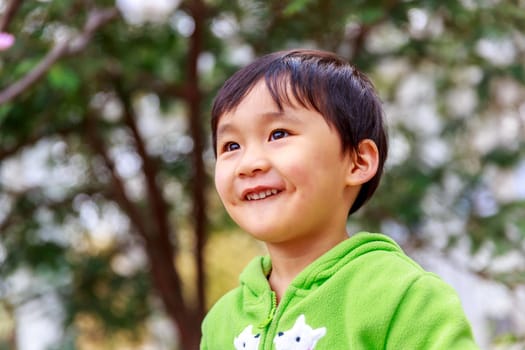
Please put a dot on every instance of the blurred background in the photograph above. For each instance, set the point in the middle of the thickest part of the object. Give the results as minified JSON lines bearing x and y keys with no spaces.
{"x":111,"y":233}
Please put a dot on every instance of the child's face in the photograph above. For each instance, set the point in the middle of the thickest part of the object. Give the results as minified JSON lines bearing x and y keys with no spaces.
{"x":281,"y":176}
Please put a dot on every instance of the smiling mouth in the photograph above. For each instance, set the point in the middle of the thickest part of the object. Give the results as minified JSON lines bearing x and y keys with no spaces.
{"x":261,"y":195}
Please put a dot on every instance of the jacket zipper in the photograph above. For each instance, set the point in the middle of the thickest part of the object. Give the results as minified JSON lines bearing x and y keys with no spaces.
{"x":266,"y":324}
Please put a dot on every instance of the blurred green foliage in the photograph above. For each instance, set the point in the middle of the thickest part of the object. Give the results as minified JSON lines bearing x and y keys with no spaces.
{"x":450,"y":74}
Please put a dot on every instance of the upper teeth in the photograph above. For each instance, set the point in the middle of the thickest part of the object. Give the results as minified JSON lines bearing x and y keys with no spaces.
{"x":261,"y":195}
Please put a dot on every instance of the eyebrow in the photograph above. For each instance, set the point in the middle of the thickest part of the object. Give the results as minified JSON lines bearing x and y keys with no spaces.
{"x":226,"y":127}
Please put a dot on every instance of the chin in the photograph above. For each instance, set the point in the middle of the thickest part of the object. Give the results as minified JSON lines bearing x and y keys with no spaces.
{"x":263,"y":234}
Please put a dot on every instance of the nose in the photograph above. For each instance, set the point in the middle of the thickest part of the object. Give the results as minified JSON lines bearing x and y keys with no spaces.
{"x":253,"y":161}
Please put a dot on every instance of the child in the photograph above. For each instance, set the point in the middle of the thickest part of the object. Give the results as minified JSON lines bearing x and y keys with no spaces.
{"x":300,"y":145}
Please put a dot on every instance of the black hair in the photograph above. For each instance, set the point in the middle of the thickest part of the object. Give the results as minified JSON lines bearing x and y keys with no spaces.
{"x":321,"y":81}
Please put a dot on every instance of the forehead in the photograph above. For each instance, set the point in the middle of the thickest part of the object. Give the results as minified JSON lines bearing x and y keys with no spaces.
{"x":257,"y":100}
{"x":259,"y":96}
{"x":271,"y":98}
{"x":233,"y":101}
{"x":260,"y":107}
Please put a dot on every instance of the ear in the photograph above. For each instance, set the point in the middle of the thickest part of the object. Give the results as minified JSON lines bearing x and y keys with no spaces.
{"x":319,"y":333}
{"x":364,"y":163}
{"x":301,"y":320}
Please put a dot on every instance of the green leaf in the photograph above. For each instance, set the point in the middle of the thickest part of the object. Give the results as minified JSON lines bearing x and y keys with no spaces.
{"x":24,"y":67}
{"x":64,"y":79}
{"x":295,"y":7}
{"x":503,"y":157}
{"x":518,"y":72}
{"x":371,"y":15}
{"x":4,"y":111}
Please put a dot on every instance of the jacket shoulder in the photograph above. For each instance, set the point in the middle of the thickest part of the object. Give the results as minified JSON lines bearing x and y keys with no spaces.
{"x":420,"y":310}
{"x":217,"y":318}
{"x":227,"y":302}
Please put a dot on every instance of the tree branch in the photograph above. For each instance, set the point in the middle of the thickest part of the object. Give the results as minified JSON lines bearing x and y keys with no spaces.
{"x":158,"y":244}
{"x":8,"y":152}
{"x":156,"y":239}
{"x":194,"y":99}
{"x":365,"y":29}
{"x":9,"y":13}
{"x":118,"y":186}
{"x":96,"y":19}
{"x":160,"y":87}
{"x":159,"y":209}
{"x":34,"y":75}
{"x":32,"y":139}
{"x":12,"y":218}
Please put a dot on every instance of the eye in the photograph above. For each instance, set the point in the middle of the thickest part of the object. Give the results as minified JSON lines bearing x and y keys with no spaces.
{"x":278,"y":134}
{"x":298,"y":339}
{"x":230,"y":147}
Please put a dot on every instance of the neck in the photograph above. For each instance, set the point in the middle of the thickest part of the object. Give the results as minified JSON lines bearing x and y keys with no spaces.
{"x":289,"y":259}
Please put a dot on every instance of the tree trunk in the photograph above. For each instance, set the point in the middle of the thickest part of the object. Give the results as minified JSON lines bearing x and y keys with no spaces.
{"x":197,"y":131}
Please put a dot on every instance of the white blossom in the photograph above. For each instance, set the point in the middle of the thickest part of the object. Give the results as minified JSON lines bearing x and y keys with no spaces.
{"x":138,"y":12}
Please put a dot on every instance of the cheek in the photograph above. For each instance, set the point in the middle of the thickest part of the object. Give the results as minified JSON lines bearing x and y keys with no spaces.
{"x":300,"y":173}
{"x":320,"y":172}
{"x":221,"y":183}
{"x":302,"y":177}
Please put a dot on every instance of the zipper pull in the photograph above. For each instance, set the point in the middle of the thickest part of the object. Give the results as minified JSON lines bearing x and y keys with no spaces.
{"x":269,"y":319}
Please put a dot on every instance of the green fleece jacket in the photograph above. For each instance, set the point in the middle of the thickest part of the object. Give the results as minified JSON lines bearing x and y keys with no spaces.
{"x":365,"y":293}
